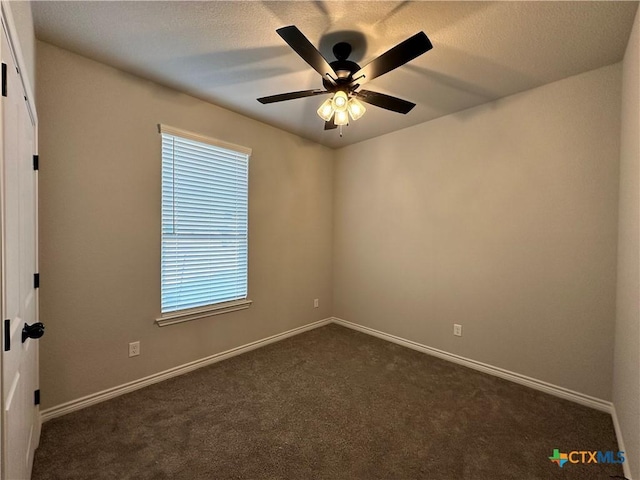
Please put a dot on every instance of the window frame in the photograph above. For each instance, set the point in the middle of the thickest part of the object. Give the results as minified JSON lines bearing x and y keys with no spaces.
{"x":188,"y":314}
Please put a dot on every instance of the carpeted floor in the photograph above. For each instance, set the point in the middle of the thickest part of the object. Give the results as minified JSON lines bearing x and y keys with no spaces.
{"x":331,"y":403}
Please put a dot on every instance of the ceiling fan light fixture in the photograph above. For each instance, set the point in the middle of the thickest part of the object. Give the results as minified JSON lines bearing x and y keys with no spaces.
{"x":325,"y":111}
{"x":356,"y":108}
{"x":341,"y":118}
{"x":342,"y":78}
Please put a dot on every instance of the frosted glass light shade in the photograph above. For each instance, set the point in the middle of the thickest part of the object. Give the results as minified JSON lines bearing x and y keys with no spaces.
{"x":325,"y":111}
{"x":356,"y":109}
{"x":341,"y":118}
{"x":340,"y":101}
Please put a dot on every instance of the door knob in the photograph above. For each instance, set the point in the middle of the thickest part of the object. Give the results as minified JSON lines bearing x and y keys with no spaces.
{"x":32,"y":331}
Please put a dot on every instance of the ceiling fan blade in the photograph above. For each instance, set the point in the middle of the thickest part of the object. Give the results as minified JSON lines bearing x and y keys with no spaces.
{"x":291,"y":96}
{"x":385,"y":101}
{"x":330,"y":125}
{"x":303,"y":47}
{"x":395,"y":57}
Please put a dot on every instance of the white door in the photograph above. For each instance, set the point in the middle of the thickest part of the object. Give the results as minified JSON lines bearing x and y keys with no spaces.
{"x":18,"y":214}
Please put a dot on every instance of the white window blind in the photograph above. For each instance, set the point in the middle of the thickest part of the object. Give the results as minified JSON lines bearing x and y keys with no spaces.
{"x":204,"y":221}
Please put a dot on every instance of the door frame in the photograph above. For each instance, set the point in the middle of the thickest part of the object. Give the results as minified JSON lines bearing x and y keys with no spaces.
{"x":9,"y":26}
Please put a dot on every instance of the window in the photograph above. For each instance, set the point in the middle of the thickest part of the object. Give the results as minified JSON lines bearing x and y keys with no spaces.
{"x":204,"y":226}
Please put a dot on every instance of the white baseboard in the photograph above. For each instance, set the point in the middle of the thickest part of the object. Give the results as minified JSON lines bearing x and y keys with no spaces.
{"x":626,"y":468}
{"x":549,"y":388}
{"x":98,"y":397}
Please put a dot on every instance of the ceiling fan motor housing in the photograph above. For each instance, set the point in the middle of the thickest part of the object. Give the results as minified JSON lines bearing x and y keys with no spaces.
{"x":344,"y":68}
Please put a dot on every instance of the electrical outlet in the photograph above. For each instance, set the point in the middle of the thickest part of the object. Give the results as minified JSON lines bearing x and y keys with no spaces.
{"x":457,"y":330}
{"x":316,"y":303}
{"x":134,"y":349}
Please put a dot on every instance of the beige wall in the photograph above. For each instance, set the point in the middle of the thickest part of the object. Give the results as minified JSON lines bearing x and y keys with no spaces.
{"x":502,"y":218}
{"x":100,"y":227}
{"x":626,"y":377}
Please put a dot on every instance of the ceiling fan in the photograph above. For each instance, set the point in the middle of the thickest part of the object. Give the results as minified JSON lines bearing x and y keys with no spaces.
{"x":343,"y":78}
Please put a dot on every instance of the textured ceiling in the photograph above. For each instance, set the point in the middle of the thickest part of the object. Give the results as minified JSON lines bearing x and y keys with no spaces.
{"x":228,"y":53}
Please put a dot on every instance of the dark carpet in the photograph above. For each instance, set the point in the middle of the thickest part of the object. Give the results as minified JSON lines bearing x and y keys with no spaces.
{"x":330,"y":403}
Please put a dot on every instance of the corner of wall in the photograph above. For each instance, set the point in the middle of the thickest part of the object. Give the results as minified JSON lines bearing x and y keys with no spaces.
{"x":626,"y":369}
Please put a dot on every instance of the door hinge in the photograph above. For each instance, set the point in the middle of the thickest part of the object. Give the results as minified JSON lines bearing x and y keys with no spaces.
{"x":36,"y":280}
{"x":7,"y":335}
{"x":4,"y":79}
{"x":36,"y":397}
{"x":36,"y":162}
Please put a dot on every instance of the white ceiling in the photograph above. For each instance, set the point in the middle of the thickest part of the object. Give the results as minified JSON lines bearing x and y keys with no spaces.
{"x":228,"y":53}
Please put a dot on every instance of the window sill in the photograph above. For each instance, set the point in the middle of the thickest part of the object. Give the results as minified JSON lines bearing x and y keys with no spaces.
{"x":196,"y":313}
